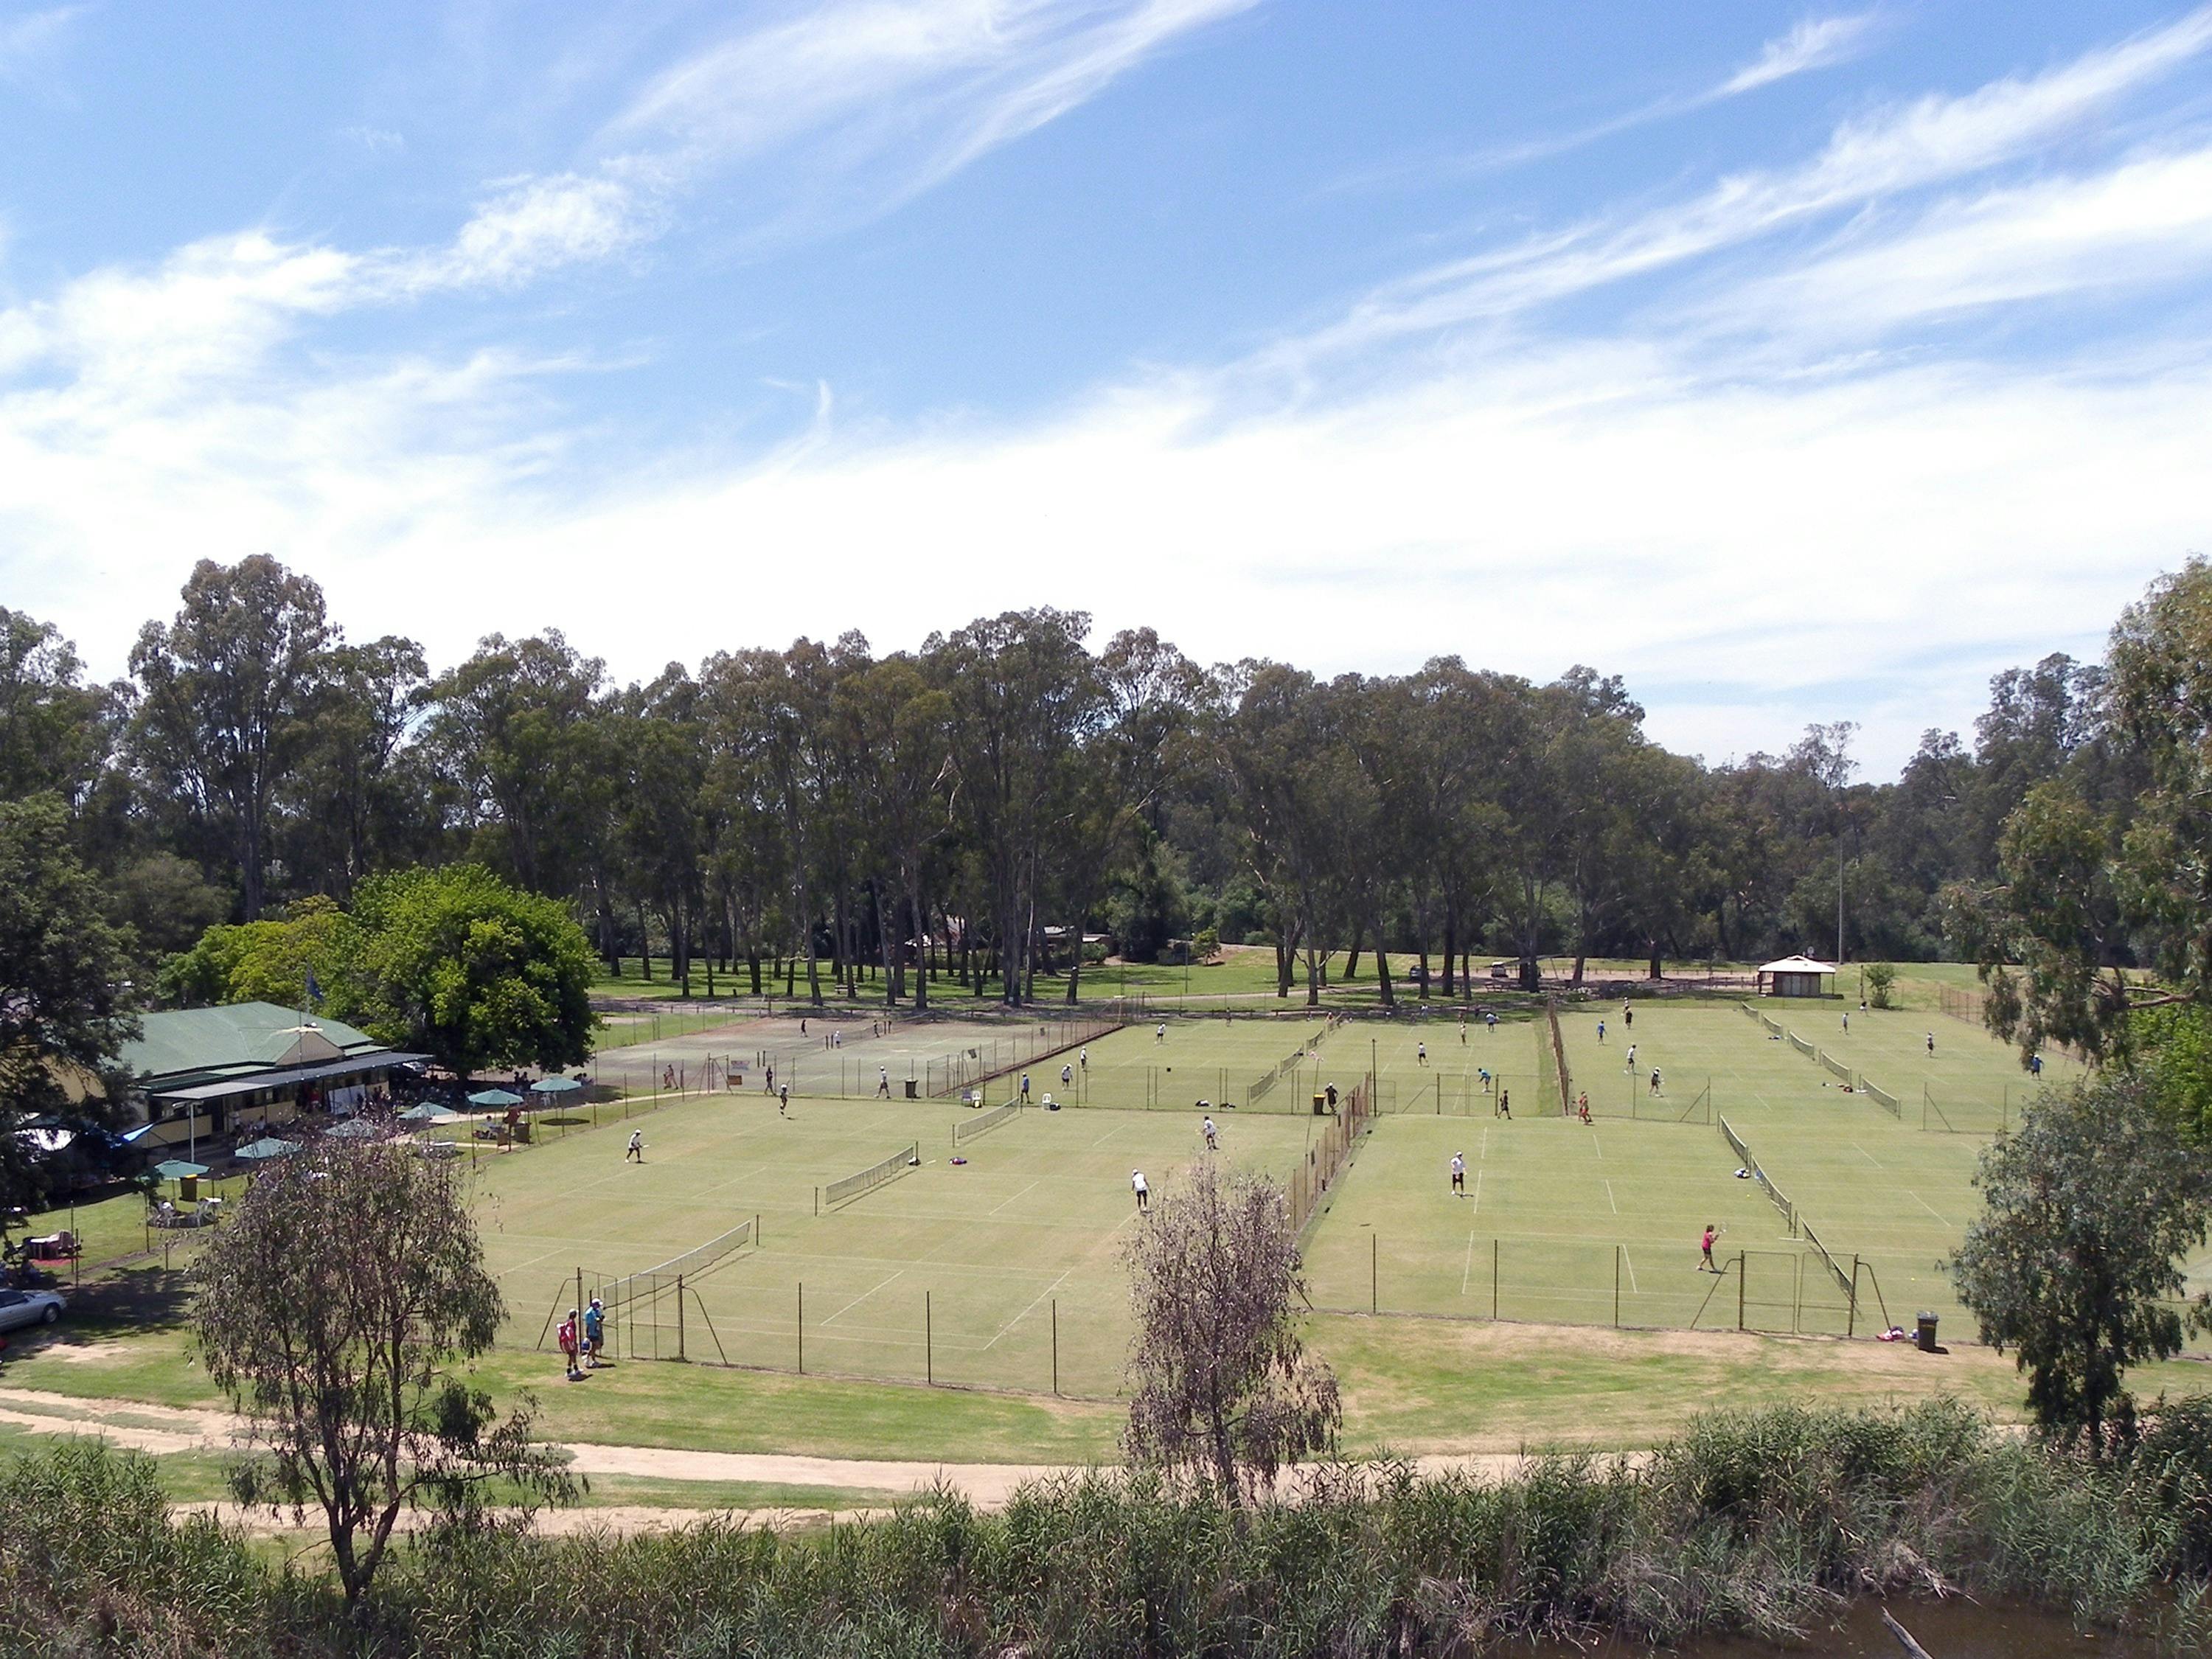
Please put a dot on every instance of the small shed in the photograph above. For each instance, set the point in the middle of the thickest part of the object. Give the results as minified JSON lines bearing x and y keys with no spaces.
{"x":1795,"y":976}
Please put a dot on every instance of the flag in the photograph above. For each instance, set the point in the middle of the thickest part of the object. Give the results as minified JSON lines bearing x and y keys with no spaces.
{"x":314,"y":991}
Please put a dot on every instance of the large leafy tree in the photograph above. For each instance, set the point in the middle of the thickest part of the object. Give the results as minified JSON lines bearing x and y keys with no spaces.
{"x":51,"y":722}
{"x":461,"y":965}
{"x":333,"y":1307}
{"x":270,"y":961}
{"x":226,"y":691}
{"x":63,"y":1014}
{"x":2076,"y":1265}
{"x":2105,"y":867}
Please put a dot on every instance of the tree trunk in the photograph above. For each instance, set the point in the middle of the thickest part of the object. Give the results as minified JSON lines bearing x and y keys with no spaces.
{"x":1451,"y":948}
{"x":921,"y":949}
{"x":644,"y":944}
{"x":1383,"y":972}
{"x":1351,"y":961}
{"x":1658,"y":967}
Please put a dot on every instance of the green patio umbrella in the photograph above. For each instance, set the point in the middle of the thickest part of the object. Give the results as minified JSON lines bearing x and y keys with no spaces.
{"x":555,"y":1085}
{"x":176,"y":1169}
{"x":267,"y":1146}
{"x":494,"y":1098}
{"x":429,"y":1112}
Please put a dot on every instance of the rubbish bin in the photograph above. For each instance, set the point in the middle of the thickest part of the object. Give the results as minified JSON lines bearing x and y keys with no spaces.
{"x":1320,"y":1105}
{"x":1924,"y":1339}
{"x":188,"y":1189}
{"x":914,"y":1088}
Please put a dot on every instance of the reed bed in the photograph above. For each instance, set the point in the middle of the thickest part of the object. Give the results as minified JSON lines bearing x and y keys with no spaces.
{"x":1762,"y":1524}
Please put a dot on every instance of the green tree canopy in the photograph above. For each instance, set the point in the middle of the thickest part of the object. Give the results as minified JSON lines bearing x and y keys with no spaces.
{"x":457,"y":964}
{"x":63,"y":968}
{"x":2075,"y":1265}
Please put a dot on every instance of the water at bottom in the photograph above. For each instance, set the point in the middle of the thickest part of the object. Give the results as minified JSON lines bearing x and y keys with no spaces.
{"x":1953,"y":1629}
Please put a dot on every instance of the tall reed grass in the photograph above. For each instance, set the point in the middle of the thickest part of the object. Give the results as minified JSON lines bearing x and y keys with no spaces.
{"x":1761,"y":1524}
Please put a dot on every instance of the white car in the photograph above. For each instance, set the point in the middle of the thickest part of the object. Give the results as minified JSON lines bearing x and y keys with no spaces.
{"x":21,"y":1308}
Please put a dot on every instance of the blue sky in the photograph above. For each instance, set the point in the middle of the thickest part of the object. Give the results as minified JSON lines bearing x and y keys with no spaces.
{"x":1797,"y":364}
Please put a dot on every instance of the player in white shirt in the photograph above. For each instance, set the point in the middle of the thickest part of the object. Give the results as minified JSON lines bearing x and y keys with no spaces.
{"x":1144,"y":1193}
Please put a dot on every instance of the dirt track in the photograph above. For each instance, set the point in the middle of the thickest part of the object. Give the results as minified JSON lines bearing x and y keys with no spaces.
{"x":163,"y":1429}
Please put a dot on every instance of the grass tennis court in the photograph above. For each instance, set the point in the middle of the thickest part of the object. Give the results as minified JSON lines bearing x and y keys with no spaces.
{"x":947,"y":1271}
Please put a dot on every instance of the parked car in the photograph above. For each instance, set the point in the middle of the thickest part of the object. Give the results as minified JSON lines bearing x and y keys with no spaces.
{"x":21,"y":1308}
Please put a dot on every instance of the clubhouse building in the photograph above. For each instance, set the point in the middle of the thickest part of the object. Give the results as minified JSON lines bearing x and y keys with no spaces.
{"x":204,"y":1073}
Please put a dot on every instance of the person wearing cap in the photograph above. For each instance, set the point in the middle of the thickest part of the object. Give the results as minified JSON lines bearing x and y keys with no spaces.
{"x":595,"y":1327}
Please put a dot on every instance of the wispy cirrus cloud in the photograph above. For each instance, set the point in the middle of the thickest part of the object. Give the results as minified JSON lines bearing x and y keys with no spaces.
{"x":27,"y":39}
{"x":888,"y":97}
{"x":1816,"y":43}
{"x":1889,"y":153}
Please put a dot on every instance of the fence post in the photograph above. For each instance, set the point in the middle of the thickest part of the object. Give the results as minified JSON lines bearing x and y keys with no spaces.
{"x":1740,"y":1276}
{"x":1055,"y":1345}
{"x":1616,"y":1287}
{"x":1493,"y":1282}
{"x":1374,"y":1274}
{"x":928,"y":1343}
{"x":800,"y":1325}
{"x":680,"y":1354}
{"x":1851,"y":1309}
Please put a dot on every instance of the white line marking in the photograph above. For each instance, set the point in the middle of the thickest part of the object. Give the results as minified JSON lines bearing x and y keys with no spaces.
{"x":1866,"y":1155}
{"x":1926,"y":1205}
{"x":863,"y":1296}
{"x":1611,"y":1200}
{"x":1631,"y":1262}
{"x":1025,"y":1312}
{"x":1002,"y":1204}
{"x":1595,"y":1147}
{"x":1478,"y":1193}
{"x":1467,"y":1270}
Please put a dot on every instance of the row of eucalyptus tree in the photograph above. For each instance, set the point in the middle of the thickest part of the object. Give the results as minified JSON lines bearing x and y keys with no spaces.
{"x":821,"y":815}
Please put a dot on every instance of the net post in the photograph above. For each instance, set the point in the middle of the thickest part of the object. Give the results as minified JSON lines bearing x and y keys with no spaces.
{"x":1055,"y":1345}
{"x":680,"y":1354}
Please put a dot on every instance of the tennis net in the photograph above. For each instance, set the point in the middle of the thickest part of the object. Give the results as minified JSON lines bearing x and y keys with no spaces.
{"x":1842,"y":1279}
{"x":868,"y":1180}
{"x":1835,"y":1066}
{"x":1767,"y":1183}
{"x":1801,"y":1045}
{"x":984,"y":1122}
{"x":1772,"y":1026}
{"x":1883,"y":1099}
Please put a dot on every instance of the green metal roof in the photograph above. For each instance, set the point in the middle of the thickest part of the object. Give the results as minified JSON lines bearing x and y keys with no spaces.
{"x":192,"y":1045}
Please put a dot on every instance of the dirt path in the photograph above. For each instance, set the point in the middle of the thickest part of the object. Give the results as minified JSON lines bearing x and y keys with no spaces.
{"x":164,"y":1429}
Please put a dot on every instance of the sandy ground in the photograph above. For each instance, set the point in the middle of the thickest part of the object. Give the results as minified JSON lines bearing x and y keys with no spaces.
{"x":161,"y":1429}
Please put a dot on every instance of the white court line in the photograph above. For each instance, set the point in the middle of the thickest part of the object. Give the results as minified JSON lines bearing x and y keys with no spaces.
{"x":1469,"y":1268}
{"x":1599,"y":1150}
{"x":1025,"y":1312}
{"x":863,"y":1296}
{"x":1926,"y":1205}
{"x":1630,"y":1260}
{"x":1611,"y":1200}
{"x":533,"y":1262}
{"x":1002,"y":1204}
{"x":1866,"y":1155}
{"x":1478,"y":1193}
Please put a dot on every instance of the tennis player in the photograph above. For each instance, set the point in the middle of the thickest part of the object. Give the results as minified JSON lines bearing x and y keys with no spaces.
{"x":1459,"y":1174}
{"x":1144,"y":1193}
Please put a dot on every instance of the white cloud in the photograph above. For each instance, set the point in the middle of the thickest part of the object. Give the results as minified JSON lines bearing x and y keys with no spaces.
{"x":1924,"y":143}
{"x":1753,"y":542}
{"x":917,"y":89}
{"x":27,"y":40}
{"x":531,"y":227}
{"x":1816,"y":43}
{"x":2143,"y":224}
